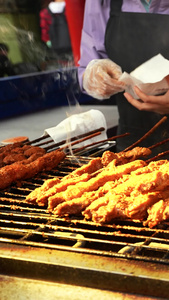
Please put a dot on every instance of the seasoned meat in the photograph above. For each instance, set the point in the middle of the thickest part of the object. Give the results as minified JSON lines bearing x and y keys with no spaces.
{"x":19,"y":170}
{"x":38,"y":192}
{"x":59,"y":190}
{"x":125,"y":157}
{"x":11,"y":158}
{"x":80,"y":174}
{"x":94,"y":165}
{"x":75,"y":206}
{"x":32,"y":150}
{"x":157,"y":213}
{"x":92,"y":184}
{"x":113,"y":207}
{"x":115,"y":186}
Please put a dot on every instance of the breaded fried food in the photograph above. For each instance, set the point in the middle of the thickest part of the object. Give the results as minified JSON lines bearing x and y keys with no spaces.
{"x":89,"y":200}
{"x":33,"y":150}
{"x":93,"y":165}
{"x":157,"y":213}
{"x":59,"y":189}
{"x":95,"y":205}
{"x":52,"y":188}
{"x":137,"y":209}
{"x":35,"y":194}
{"x":109,"y":174}
{"x":113,"y":208}
{"x":75,"y":206}
{"x":19,"y":171}
{"x":141,"y":188}
{"x":42,"y":199}
{"x":11,"y":158}
{"x":125,"y":157}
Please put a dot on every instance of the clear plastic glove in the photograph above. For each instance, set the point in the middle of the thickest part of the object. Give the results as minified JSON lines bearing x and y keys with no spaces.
{"x":100,"y":79}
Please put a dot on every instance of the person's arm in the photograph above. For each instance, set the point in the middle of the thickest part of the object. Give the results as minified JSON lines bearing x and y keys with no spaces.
{"x":44,"y":24}
{"x":98,"y":75}
{"x":92,"y":40}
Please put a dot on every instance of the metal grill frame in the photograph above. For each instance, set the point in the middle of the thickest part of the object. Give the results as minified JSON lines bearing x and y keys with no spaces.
{"x":37,"y":245}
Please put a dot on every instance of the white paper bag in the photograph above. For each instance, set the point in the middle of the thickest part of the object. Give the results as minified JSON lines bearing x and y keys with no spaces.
{"x":150,"y":77}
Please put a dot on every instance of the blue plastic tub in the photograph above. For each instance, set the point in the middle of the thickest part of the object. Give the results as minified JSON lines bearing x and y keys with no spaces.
{"x":37,"y":91}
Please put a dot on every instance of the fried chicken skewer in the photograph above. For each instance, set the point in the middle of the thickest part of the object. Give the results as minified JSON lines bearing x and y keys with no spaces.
{"x":125,"y":157}
{"x":91,"y":201}
{"x":111,"y":173}
{"x":157,"y":213}
{"x":136,"y":195}
{"x":95,"y":165}
{"x":41,"y":195}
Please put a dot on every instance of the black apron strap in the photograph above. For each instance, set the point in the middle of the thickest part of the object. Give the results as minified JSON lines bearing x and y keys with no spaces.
{"x":116,"y":7}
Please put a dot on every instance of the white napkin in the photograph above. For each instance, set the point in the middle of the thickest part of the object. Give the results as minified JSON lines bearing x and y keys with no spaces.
{"x":149,"y":77}
{"x":79,"y":124}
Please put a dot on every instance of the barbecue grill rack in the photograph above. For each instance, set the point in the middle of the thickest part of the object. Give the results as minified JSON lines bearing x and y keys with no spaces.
{"x":122,"y":256}
{"x":25,"y":228}
{"x":27,"y":221}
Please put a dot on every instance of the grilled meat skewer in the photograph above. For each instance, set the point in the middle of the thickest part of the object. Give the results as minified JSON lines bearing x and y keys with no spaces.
{"x":19,"y":170}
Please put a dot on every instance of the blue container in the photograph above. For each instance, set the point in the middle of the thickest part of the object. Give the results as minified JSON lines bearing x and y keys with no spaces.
{"x":37,"y":91}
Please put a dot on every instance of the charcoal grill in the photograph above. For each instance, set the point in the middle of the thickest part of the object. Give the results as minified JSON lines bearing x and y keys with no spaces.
{"x":123,"y":256}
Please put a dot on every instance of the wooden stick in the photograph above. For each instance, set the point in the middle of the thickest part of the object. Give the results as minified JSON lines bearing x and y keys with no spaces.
{"x":147,"y":134}
{"x":158,"y":156}
{"x":100,"y":142}
{"x":37,"y":140}
{"x":88,"y":135}
{"x":159,"y":144}
{"x":81,"y":140}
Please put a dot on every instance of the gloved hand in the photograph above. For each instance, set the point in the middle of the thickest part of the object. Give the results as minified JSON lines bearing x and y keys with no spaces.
{"x":100,"y":79}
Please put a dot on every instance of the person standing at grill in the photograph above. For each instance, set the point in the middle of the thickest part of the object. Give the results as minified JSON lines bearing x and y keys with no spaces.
{"x":120,"y":35}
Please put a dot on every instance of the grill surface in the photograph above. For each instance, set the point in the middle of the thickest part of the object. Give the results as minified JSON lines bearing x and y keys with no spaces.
{"x":123,"y":256}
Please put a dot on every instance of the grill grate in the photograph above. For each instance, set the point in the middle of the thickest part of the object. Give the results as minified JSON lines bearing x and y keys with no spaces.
{"x":123,"y":256}
{"x":29,"y":225}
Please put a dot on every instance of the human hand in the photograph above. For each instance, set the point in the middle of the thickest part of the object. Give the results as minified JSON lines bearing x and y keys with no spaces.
{"x":100,"y":79}
{"x":158,"y":104}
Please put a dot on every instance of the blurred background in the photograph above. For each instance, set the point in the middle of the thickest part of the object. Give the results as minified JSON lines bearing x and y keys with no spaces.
{"x":39,"y":54}
{"x":21,"y":32}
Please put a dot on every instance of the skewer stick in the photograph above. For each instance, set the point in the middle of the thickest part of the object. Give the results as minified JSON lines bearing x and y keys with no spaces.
{"x":158,"y":156}
{"x":64,"y":141}
{"x":100,"y":142}
{"x":81,"y":140}
{"x":147,"y":134}
{"x":159,"y":144}
{"x":38,"y":139}
{"x":88,"y":135}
